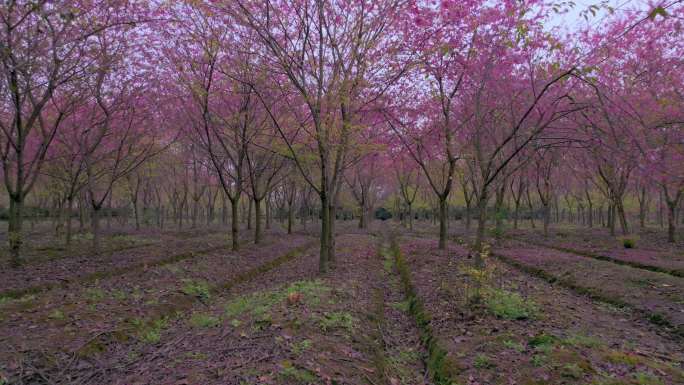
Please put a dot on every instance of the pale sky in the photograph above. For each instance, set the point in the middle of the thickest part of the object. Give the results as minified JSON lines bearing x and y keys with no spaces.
{"x":573,"y":20}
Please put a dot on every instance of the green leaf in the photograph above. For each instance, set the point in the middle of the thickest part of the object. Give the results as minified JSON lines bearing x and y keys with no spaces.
{"x":657,"y":11}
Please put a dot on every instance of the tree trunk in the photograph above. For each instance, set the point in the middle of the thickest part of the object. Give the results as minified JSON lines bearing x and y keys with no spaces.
{"x":257,"y":221}
{"x":268,"y":212}
{"x":481,"y":225}
{"x":95,"y":223}
{"x":516,"y":212}
{"x":410,"y":215}
{"x":331,"y":235}
{"x":234,"y":223}
{"x":467,"y":216}
{"x":14,"y":230}
{"x":362,"y":217}
{"x":622,"y":217}
{"x":290,"y":217}
{"x":136,"y":214}
{"x":671,"y":221}
{"x":442,"y":223}
{"x":249,"y":214}
{"x":547,"y":217}
{"x":325,"y":228}
{"x":67,"y":241}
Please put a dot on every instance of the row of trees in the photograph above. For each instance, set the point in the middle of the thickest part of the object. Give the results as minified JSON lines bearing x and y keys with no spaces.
{"x":294,"y":98}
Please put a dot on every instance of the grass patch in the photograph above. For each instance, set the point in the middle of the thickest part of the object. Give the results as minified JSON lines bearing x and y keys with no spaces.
{"x":336,"y":320}
{"x":57,"y":314}
{"x":95,"y":294}
{"x":401,"y":306}
{"x":580,"y":340}
{"x":572,"y":371}
{"x":509,"y":305}
{"x":260,"y":303}
{"x":301,"y":346}
{"x":198,"y":289}
{"x":623,"y":358}
{"x":628,"y":243}
{"x":149,"y":332}
{"x":301,"y":376}
{"x":483,"y":362}
{"x":201,"y":320}
{"x":647,"y":379}
{"x":513,"y":345}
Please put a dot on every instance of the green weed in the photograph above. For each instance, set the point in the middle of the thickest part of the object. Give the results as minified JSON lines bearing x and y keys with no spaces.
{"x":196,"y":288}
{"x":483,"y":362}
{"x":95,"y":294}
{"x":509,"y":305}
{"x":301,"y":346}
{"x":647,"y":379}
{"x":57,"y":314}
{"x":336,"y":320}
{"x":513,"y":345}
{"x":201,"y":320}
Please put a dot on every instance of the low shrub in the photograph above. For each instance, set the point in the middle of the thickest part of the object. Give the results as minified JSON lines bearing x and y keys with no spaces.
{"x":628,"y":243}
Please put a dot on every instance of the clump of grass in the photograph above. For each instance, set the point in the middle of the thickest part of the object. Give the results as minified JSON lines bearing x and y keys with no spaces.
{"x":509,"y":305}
{"x":623,"y":358}
{"x":539,"y":360}
{"x":196,"y":356}
{"x":292,"y":373}
{"x":573,"y":371}
{"x":542,"y":343}
{"x":258,"y":304}
{"x":401,"y":306}
{"x":149,"y":332}
{"x":336,"y":320}
{"x":301,"y":346}
{"x":202,"y":320}
{"x":483,"y":362}
{"x":198,"y":289}
{"x":95,"y":294}
{"x":57,"y":314}
{"x":628,"y":243}
{"x":119,"y":295}
{"x":517,"y":346}
{"x":582,"y":340}
{"x":647,"y":379}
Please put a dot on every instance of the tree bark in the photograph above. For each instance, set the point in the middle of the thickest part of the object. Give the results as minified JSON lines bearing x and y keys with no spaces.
{"x":257,"y":221}
{"x":234,"y":223}
{"x":15,"y":228}
{"x":442,"y":223}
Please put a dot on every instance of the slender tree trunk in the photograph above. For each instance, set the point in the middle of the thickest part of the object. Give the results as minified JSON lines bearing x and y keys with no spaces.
{"x":136,"y":214}
{"x":410,"y":216}
{"x":467,"y":216}
{"x":257,"y":221}
{"x":332,"y":257}
{"x":290,"y":217}
{"x":325,"y":229}
{"x":249,"y":214}
{"x":671,"y":221}
{"x":481,"y":226}
{"x":67,"y":241}
{"x":362,"y":217}
{"x":234,"y":223}
{"x":15,"y":229}
{"x":547,"y":217}
{"x":95,"y":223}
{"x":268,"y":212}
{"x":516,"y":212}
{"x":442,"y":223}
{"x":620,"y":208}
